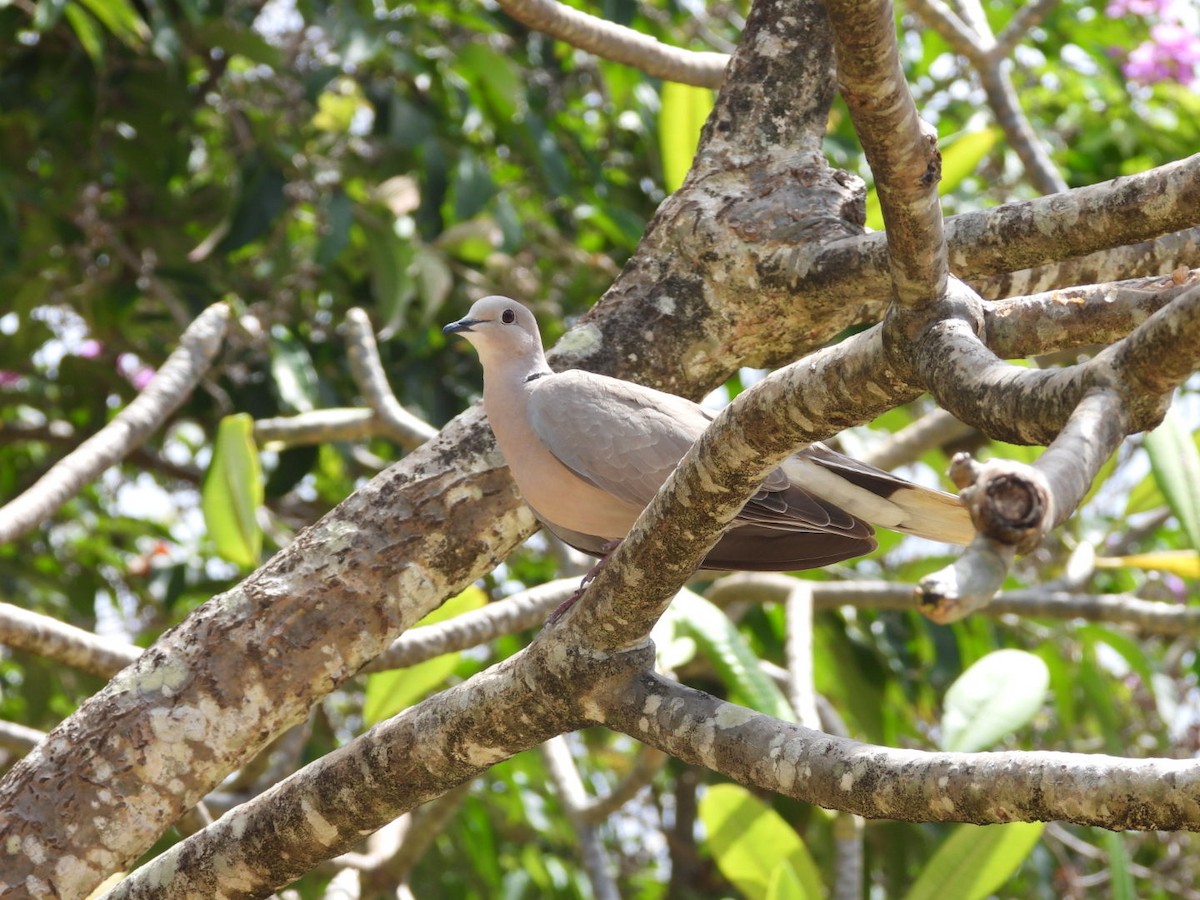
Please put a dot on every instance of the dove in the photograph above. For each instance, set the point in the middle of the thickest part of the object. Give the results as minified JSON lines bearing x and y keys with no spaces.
{"x":588,"y":453}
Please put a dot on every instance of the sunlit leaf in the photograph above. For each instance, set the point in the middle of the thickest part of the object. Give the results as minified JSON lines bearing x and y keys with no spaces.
{"x":975,"y":860}
{"x":993,"y":698}
{"x":719,"y":640}
{"x":1175,"y":462}
{"x":121,"y":18}
{"x":85,"y":28}
{"x":390,"y":692}
{"x":233,"y":491}
{"x":1184,"y":563}
{"x":750,"y":842}
{"x":684,"y":111}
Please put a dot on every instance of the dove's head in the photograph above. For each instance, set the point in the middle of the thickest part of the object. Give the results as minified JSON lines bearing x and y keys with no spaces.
{"x":503,"y":331}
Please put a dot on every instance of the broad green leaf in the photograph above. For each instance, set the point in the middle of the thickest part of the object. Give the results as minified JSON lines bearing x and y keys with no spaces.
{"x":750,"y":842}
{"x":731,"y":656}
{"x":961,"y":156}
{"x":233,"y":491}
{"x":1184,"y":563}
{"x":293,"y":372}
{"x":994,"y":697}
{"x":682,"y":114}
{"x":975,"y":860}
{"x":1175,"y":462}
{"x":390,"y":692}
{"x":121,"y":18}
{"x":785,"y":884}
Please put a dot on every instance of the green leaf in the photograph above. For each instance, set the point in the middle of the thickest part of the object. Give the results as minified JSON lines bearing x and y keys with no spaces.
{"x":90,"y":37}
{"x":785,"y":884}
{"x":731,"y":656}
{"x":994,"y":697}
{"x":976,"y":860}
{"x":390,"y":692}
{"x":961,"y":155}
{"x":120,"y":17}
{"x":1118,"y":863}
{"x":1184,"y":563}
{"x":233,"y":491}
{"x":293,"y":371}
{"x":683,"y":113}
{"x":393,"y":286}
{"x":1175,"y":462}
{"x":751,"y":842}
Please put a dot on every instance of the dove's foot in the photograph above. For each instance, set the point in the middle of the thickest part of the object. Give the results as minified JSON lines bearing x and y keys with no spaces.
{"x":607,"y":550}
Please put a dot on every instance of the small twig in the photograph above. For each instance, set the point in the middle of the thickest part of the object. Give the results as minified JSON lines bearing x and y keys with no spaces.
{"x":66,"y":644}
{"x":934,"y":429}
{"x":19,"y":739}
{"x":799,"y":649}
{"x":324,"y":426}
{"x":527,"y":609}
{"x":556,"y":756}
{"x":398,"y":423}
{"x":162,"y":396}
{"x":1147,"y":616}
{"x":646,"y":766}
{"x":624,"y":45}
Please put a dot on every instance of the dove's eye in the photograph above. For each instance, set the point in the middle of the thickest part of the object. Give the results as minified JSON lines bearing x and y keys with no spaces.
{"x":508,"y":317}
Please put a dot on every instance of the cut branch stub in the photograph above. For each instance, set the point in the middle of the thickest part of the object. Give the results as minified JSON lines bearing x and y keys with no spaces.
{"x":1008,"y":501}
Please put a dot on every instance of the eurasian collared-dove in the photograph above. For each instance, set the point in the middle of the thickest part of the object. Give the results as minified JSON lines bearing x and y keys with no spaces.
{"x":588,"y":453}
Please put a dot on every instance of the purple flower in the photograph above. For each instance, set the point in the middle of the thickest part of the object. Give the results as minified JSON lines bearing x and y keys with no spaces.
{"x":9,"y":378}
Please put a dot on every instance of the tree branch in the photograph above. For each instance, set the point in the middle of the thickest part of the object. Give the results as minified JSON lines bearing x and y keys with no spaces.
{"x":396,"y":422}
{"x":908,"y":785}
{"x":162,"y":396}
{"x":619,"y":44}
{"x":902,"y":154}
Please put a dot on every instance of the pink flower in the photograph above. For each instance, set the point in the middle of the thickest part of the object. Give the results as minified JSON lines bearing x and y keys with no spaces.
{"x":90,"y":349}
{"x":1117,"y":8}
{"x":9,"y":378}
{"x":1171,"y":54}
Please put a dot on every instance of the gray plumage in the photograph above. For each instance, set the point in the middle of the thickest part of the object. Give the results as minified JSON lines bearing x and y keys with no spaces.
{"x":589,"y":452}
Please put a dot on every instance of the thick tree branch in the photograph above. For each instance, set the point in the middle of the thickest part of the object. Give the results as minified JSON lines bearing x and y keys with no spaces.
{"x":249,"y":664}
{"x":1025,"y":234}
{"x":165,"y":393}
{"x":903,"y":155}
{"x":1078,"y":316}
{"x":909,"y":785}
{"x":1157,"y":257}
{"x":620,"y":44}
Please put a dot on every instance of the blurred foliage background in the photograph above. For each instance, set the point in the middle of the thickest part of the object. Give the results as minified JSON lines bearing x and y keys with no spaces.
{"x":301,"y":158}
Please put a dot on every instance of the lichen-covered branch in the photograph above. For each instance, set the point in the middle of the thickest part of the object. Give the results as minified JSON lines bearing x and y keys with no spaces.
{"x":909,"y":785}
{"x":903,"y":155}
